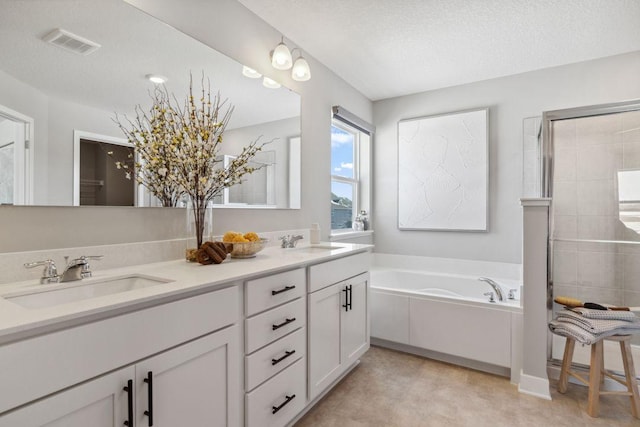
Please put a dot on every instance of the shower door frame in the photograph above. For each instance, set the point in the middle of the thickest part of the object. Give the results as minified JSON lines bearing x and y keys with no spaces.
{"x":548,"y":117}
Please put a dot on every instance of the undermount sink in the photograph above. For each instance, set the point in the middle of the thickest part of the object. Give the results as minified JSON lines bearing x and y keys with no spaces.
{"x":52,"y":295}
{"x":317,"y":248}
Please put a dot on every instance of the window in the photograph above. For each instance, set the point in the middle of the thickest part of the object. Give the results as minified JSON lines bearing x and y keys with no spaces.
{"x":350,"y":169}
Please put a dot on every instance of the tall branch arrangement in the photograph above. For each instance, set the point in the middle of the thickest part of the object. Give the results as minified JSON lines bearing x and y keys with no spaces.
{"x":178,"y":148}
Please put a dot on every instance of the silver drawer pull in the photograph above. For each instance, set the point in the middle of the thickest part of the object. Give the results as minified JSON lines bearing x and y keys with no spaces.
{"x":286,"y":322}
{"x":285,"y":289}
{"x":286,"y":354}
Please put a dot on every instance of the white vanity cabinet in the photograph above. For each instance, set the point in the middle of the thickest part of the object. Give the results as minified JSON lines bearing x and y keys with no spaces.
{"x":338,"y":319}
{"x":131,"y":368}
{"x":275,"y":348}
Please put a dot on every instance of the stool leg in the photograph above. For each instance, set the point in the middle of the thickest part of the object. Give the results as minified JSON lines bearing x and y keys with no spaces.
{"x":630,"y":374}
{"x":602,"y":369}
{"x":593,"y":409}
{"x":566,"y":365}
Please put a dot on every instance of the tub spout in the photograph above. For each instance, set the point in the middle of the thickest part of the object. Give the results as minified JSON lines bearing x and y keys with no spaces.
{"x":495,"y":287}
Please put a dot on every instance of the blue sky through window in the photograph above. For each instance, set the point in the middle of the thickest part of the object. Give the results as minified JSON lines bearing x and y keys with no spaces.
{"x":342,"y":158}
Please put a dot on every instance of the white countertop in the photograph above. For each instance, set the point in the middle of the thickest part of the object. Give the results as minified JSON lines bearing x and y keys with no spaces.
{"x":17,"y":322}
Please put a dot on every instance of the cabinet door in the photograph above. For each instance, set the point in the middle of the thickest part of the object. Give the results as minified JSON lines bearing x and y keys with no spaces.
{"x":355,"y":321}
{"x":324,"y":338}
{"x":196,"y":384}
{"x":102,"y":402}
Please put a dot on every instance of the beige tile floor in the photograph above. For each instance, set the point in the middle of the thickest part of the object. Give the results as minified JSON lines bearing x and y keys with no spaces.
{"x":390,"y":388}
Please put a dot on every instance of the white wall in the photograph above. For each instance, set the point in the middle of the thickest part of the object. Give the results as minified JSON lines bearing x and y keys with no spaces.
{"x":510,"y":100}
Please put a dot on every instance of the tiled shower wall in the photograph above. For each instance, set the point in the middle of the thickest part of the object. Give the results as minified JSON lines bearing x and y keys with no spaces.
{"x":588,"y":153}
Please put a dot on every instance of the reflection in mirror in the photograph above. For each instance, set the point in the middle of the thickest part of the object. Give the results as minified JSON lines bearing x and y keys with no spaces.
{"x":100,"y":181}
{"x":16,"y":157}
{"x":66,"y":92}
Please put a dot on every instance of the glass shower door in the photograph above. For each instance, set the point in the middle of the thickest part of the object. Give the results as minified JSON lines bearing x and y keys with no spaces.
{"x":595,"y":212}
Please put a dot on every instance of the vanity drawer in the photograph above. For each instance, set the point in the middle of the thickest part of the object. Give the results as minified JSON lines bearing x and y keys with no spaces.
{"x":330,"y":272}
{"x":266,"y":292}
{"x":272,"y":359}
{"x":284,"y":394}
{"x":264,"y":328}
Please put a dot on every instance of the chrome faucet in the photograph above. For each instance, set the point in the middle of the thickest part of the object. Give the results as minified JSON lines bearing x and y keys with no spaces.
{"x":290,"y":241}
{"x":495,"y":287}
{"x":77,"y":269}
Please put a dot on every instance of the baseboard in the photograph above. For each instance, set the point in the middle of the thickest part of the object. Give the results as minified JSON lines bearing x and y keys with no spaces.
{"x":442,"y":357}
{"x":534,"y":386}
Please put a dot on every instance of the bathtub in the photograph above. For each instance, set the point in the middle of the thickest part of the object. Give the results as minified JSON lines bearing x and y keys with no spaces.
{"x":446,"y":317}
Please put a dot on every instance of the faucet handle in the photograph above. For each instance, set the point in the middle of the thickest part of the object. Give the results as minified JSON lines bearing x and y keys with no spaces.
{"x":490,"y":295}
{"x":512,"y":293}
{"x":86,"y":268}
{"x":50,"y":272}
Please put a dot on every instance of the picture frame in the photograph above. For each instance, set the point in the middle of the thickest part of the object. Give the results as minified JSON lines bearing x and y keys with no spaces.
{"x":443,"y":171}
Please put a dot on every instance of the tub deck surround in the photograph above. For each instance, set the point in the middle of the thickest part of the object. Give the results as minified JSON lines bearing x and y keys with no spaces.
{"x":17,"y":322}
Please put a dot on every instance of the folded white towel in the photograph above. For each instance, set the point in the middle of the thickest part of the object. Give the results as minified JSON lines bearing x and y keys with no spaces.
{"x":570,"y":330}
{"x":605,"y":314}
{"x":598,"y":326}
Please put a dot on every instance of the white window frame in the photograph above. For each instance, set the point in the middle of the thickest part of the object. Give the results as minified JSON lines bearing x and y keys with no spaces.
{"x":355,"y":181}
{"x":363,"y":163}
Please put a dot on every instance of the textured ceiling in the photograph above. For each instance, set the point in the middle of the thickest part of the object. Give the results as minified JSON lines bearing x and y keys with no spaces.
{"x":387,"y":48}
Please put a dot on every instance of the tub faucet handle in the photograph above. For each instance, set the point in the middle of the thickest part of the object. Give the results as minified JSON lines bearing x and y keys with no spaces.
{"x":491,"y":296}
{"x":512,"y":294}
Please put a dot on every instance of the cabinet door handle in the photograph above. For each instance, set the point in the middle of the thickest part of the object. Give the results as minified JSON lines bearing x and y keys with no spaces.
{"x":286,"y":354}
{"x":149,"y":412}
{"x":288,"y":399}
{"x":285,"y":289}
{"x":129,"y":389}
{"x":286,"y":322}
{"x":350,"y":297}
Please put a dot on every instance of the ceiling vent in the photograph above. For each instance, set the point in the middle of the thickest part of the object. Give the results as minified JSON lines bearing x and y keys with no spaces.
{"x":70,"y":41}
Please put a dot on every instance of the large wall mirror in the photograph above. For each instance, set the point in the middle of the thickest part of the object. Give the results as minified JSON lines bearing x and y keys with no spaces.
{"x":55,"y":103}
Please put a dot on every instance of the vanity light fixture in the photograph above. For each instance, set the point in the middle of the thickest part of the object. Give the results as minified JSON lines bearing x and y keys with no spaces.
{"x":250,"y":72}
{"x":156,"y":79}
{"x":301,"y":71}
{"x":270,"y":83}
{"x":281,"y":57}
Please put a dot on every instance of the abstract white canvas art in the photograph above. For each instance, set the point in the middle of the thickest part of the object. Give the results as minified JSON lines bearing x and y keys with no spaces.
{"x":443,"y":172}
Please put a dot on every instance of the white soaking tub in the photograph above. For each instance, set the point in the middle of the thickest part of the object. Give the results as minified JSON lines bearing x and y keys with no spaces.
{"x":447,"y":317}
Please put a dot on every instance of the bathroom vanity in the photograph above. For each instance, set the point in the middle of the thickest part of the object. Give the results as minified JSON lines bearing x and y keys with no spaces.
{"x":248,"y":342}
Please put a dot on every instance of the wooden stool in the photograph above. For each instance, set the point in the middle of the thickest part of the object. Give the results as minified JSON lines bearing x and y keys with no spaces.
{"x":597,"y":374}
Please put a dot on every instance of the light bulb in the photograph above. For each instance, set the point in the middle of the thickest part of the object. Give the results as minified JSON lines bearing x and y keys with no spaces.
{"x":281,"y":57}
{"x":301,"y":71}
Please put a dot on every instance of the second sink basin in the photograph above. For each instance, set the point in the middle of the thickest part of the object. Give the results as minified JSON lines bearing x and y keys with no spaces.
{"x":317,"y":248}
{"x":52,"y":295}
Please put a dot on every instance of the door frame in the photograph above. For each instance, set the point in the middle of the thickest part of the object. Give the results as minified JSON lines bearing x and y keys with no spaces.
{"x":23,"y":188}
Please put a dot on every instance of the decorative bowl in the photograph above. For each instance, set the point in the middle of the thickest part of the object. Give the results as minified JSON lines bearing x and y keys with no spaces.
{"x":245,"y":249}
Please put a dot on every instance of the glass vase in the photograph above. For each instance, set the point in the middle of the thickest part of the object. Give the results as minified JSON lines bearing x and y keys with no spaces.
{"x":199,"y":229}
